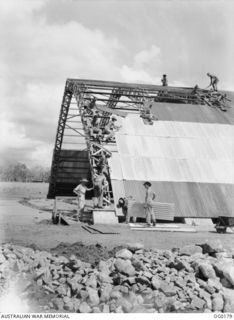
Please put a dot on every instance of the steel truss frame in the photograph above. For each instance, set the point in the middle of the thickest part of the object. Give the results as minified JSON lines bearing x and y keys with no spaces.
{"x":113,"y":95}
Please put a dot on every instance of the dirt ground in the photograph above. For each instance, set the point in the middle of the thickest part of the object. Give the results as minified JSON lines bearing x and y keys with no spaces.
{"x":27,"y":226}
{"x":28,"y":222}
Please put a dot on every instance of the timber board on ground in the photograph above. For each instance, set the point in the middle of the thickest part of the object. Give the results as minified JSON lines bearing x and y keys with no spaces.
{"x":164,"y":229}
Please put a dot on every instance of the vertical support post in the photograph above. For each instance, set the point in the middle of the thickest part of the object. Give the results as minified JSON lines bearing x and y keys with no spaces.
{"x":59,"y":138}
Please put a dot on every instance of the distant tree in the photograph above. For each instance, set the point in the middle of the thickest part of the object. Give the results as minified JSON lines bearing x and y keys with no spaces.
{"x":20,"y":172}
{"x":39,"y":173}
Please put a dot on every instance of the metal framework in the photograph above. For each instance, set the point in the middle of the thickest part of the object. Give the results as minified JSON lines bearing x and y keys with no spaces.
{"x":67,"y":96}
{"x":112,"y":96}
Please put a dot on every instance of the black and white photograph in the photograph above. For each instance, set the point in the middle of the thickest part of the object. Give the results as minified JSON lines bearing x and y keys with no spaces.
{"x":116,"y":158}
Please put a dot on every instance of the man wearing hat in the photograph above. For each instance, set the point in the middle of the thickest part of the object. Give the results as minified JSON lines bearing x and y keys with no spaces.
{"x":100,"y":184}
{"x":80,"y":191}
{"x":149,"y":198}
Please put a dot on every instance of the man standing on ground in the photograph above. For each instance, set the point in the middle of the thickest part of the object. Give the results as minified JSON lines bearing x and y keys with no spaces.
{"x":213,"y":81}
{"x":80,"y":191}
{"x":149,"y":198}
{"x":100,"y":184}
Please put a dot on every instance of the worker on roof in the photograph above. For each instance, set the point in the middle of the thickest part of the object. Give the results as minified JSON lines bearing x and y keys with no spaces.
{"x":92,"y":103}
{"x":110,"y":128}
{"x":149,"y":198}
{"x":195,"y":89}
{"x":102,"y":163}
{"x":96,"y":119}
{"x":87,"y":116}
{"x":213,"y":81}
{"x":146,"y":112}
{"x":195,"y":95}
{"x":164,"y":80}
{"x":80,"y":191}
{"x":94,"y":127}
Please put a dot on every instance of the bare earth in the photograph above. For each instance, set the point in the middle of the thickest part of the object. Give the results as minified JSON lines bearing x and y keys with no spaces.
{"x":27,"y":225}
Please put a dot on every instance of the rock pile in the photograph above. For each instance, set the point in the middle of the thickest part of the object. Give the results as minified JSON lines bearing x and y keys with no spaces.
{"x":194,"y":278}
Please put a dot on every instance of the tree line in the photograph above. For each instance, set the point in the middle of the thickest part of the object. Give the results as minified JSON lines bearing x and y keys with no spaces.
{"x":21,"y":173}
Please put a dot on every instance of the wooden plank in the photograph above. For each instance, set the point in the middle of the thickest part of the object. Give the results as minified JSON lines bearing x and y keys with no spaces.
{"x":165,"y":229}
{"x":162,"y":225}
{"x":90,"y":230}
{"x":103,"y":229}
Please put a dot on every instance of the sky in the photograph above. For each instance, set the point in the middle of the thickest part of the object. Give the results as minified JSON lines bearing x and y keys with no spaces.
{"x":44,"y":42}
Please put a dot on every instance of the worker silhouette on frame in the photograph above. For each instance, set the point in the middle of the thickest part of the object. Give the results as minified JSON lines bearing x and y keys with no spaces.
{"x":213,"y":81}
{"x":164,"y":80}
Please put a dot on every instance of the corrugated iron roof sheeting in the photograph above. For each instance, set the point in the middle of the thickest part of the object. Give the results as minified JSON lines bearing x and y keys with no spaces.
{"x":154,"y":169}
{"x":190,"y":164}
{"x":193,"y":113}
{"x":133,"y":125}
{"x":174,"y":151}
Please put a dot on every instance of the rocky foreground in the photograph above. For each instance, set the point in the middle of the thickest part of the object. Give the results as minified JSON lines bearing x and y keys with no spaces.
{"x":190,"y":279}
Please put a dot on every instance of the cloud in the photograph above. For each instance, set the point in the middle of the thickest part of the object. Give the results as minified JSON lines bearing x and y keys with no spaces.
{"x":35,"y":49}
{"x":41,"y":47}
{"x":130,"y":74}
{"x":35,"y":60}
{"x":145,"y":65}
{"x":147,"y":68}
{"x":16,"y":145}
{"x":147,"y":57}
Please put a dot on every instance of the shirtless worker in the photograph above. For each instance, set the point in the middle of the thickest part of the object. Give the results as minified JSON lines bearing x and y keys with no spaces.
{"x":164,"y":80}
{"x":213,"y":81}
{"x":149,"y":198}
{"x":80,"y":191}
{"x":100,"y":184}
